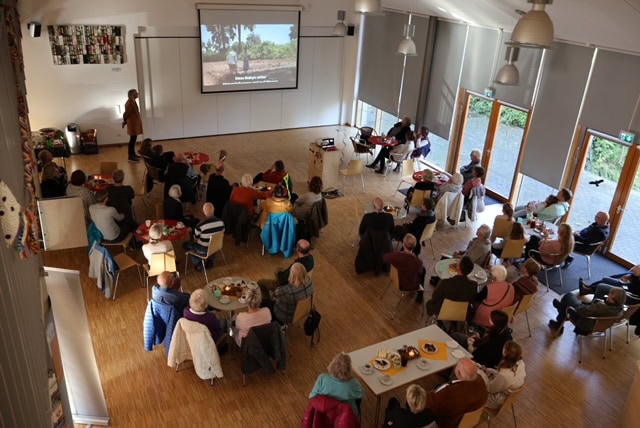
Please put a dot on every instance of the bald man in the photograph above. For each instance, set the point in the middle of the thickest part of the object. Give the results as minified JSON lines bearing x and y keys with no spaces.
{"x":305,"y":258}
{"x":597,"y":231}
{"x":377,"y":219}
{"x":167,"y":291}
{"x":202,"y":235}
{"x":449,"y":402}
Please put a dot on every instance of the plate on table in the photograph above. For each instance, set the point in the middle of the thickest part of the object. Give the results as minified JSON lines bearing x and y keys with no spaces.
{"x":180,"y":225}
{"x":457,"y":353}
{"x":386,"y":380}
{"x":252,"y":285}
{"x":242,"y":300}
{"x":452,"y":344}
{"x":429,"y":348}
{"x":366,"y":369}
{"x":423,"y":364}
{"x":481,"y":275}
{"x":381,"y":364}
{"x":225,"y":300}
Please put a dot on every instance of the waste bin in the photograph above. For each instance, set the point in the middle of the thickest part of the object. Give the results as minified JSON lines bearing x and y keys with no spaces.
{"x":72,"y":133}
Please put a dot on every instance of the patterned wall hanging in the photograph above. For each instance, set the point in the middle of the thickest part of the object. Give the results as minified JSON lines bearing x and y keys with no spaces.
{"x":86,"y":44}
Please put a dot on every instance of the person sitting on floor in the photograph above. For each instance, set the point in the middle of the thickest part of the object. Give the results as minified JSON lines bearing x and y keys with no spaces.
{"x":496,"y":295}
{"x":304,"y":257}
{"x":284,"y":299}
{"x":167,"y":291}
{"x":598,"y":231}
{"x":487,"y":347}
{"x":254,"y":316}
{"x":467,"y":170}
{"x":202,"y":235}
{"x":340,"y":383}
{"x":551,"y":251}
{"x":458,"y":288}
{"x":611,"y":307}
{"x":172,"y":208}
{"x":121,"y":198}
{"x":479,"y":247}
{"x":76,"y":188}
{"x":156,"y":245}
{"x":506,"y":378}
{"x":526,"y":281}
{"x":197,"y":312}
{"x":278,"y":203}
{"x":415,"y":415}
{"x":273,"y":175}
{"x":410,"y":268}
{"x":108,"y":221}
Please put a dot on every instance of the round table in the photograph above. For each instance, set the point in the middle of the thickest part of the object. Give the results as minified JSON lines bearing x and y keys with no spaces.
{"x":478,"y":274}
{"x":234,"y":304}
{"x":438,"y":178}
{"x":196,"y":158}
{"x":389,"y":208}
{"x":97,"y":182}
{"x":175,"y":234}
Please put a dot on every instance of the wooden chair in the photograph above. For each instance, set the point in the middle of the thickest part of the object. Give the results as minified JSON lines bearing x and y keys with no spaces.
{"x":124,"y":243}
{"x":108,"y":167}
{"x":452,"y":311}
{"x":471,"y":419}
{"x":159,"y":263}
{"x":513,"y":249}
{"x":417,"y":198}
{"x":124,"y":262}
{"x":354,"y":169}
{"x":395,"y":280}
{"x":427,"y":235}
{"x":600,"y":325}
{"x":525,"y":304}
{"x":508,"y":402}
{"x":159,"y":210}
{"x":303,"y":309}
{"x":215,"y":246}
{"x":510,"y":310}
{"x":407,"y":174}
{"x":154,"y":173}
{"x":590,"y":250}
{"x":501,"y":228}
{"x":547,"y":267}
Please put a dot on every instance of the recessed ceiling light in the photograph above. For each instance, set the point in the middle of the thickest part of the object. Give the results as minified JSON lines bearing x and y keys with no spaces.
{"x":443,"y":9}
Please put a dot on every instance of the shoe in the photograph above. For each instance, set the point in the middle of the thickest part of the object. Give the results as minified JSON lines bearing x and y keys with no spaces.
{"x":584,"y":288}
{"x":434,"y":280}
{"x":567,"y":262}
{"x":419,"y":296}
{"x":134,"y":159}
{"x":198,"y":267}
{"x":379,"y":171}
{"x":451,"y":222}
{"x":555,"y":325}
{"x":396,"y":169}
{"x":556,"y":304}
{"x":372,"y":166}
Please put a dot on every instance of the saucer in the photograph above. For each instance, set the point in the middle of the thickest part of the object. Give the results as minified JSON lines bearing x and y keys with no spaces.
{"x":423,"y":364}
{"x":457,"y":353}
{"x":252,"y":285}
{"x":452,"y":344}
{"x":180,"y":226}
{"x":242,"y":300}
{"x":365,"y":370}
{"x":225,"y":300}
{"x":385,"y":380}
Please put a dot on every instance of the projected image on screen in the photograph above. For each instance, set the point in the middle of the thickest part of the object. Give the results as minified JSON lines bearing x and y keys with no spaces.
{"x":249,"y":56}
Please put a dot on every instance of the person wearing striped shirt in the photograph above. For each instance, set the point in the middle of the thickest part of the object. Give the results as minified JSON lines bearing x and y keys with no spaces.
{"x":202,"y":234}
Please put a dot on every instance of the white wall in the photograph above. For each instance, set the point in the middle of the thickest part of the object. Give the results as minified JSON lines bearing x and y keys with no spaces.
{"x":90,"y":94}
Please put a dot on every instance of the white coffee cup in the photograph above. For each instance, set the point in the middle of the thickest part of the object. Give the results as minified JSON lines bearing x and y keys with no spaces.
{"x":147,"y":223}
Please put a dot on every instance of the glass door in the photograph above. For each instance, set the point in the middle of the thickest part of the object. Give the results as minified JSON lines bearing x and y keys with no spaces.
{"x":607,"y":180}
{"x":475,"y":128}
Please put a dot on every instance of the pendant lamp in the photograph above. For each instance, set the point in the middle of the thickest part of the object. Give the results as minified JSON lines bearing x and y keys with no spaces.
{"x":407,"y":46}
{"x":534,"y":29}
{"x":340,"y":29}
{"x":509,"y":74}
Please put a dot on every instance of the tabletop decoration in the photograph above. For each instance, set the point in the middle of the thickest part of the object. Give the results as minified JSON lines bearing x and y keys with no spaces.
{"x":440,"y":352}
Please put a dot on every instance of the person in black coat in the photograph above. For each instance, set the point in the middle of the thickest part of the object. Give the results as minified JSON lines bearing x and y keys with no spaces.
{"x":415,"y":415}
{"x":399,"y":132}
{"x":487,"y":348}
{"x":458,"y":288}
{"x":172,"y":207}
{"x":218,"y":190}
{"x":416,"y":227}
{"x":375,"y":239}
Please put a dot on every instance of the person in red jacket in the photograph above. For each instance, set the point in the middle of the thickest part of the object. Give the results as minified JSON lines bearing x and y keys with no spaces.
{"x":274,"y":175}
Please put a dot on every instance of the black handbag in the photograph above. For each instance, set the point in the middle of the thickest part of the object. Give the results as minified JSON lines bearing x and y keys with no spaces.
{"x":312,"y":324}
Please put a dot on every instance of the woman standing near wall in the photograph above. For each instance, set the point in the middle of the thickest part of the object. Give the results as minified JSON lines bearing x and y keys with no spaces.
{"x":132,"y":120}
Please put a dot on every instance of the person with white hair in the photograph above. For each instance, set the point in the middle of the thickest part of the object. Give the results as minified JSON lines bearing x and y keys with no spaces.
{"x":172,"y":207}
{"x":479,"y":247}
{"x":156,"y":245}
{"x":255,"y":315}
{"x":246,"y":195}
{"x":467,"y":170}
{"x":202,"y":235}
{"x":498,"y":294}
{"x":197,"y":312}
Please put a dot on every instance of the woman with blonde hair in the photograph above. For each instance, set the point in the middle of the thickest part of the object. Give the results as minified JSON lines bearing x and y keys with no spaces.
{"x":339,"y":383}
{"x":197,"y":311}
{"x":551,"y":251}
{"x":509,"y":376}
{"x":416,"y":415}
{"x":517,"y":233}
{"x":156,"y":245}
{"x":246,"y":195}
{"x":285,"y":298}
{"x":132,"y":120}
{"x":497,"y":295}
{"x":254,"y":316}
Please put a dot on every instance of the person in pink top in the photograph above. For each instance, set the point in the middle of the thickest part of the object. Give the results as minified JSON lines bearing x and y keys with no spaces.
{"x":552,"y":251}
{"x":496,"y":295}
{"x":253,"y":317}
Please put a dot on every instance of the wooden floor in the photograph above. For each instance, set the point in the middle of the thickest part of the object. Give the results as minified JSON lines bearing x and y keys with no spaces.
{"x":142,"y":391}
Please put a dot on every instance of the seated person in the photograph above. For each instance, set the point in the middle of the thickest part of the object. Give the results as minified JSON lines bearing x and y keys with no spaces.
{"x":467,"y":170}
{"x":526,"y":281}
{"x":517,"y":233}
{"x":278,"y":203}
{"x":597,"y":231}
{"x":273,"y":175}
{"x":52,"y":184}
{"x":400,"y":152}
{"x":254,"y":316}
{"x":121,"y":198}
{"x":172,"y":208}
{"x":449,"y":402}
{"x":479,"y":247}
{"x":202,"y":235}
{"x":284,"y":299}
{"x":145,"y":150}
{"x":487,"y":347}
{"x":475,"y":182}
{"x":551,"y":251}
{"x":458,"y":288}
{"x":507,"y":212}
{"x":178,"y":172}
{"x":549,"y":212}
{"x":612,"y":307}
{"x":426,"y":184}
{"x":399,"y":132}
{"x":377,"y":219}
{"x":496,"y":295}
{"x":410,"y":268}
{"x":156,"y":245}
{"x":218,"y":190}
{"x":167,"y":291}
{"x":161,"y":159}
{"x":423,"y":145}
{"x":76,"y":188}
{"x":51,"y":170}
{"x":375,"y":232}
{"x":506,"y":378}
{"x":339,"y":383}
{"x":417,"y":225}
{"x":246,"y":195}
{"x":304,"y":257}
{"x":454,"y":185}
{"x":197,"y":311}
{"x":414,"y":416}
{"x":302,"y":205}
{"x":108,"y":221}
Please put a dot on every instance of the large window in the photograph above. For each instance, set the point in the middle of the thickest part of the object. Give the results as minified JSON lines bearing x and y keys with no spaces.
{"x":439,"y":151}
{"x":533,"y":190}
{"x":387,"y":121}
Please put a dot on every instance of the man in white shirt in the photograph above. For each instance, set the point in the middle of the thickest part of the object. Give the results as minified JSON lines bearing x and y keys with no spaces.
{"x":107,"y":218}
{"x":232,"y":61}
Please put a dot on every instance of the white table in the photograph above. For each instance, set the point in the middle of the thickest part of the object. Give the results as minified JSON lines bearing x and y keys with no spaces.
{"x":398,"y":214}
{"x":478,"y":274}
{"x":553,"y":230}
{"x":234,"y":304}
{"x":411,"y":373}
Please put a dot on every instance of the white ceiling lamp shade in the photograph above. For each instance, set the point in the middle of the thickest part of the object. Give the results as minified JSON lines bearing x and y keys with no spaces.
{"x":535,"y":29}
{"x":509,"y":74}
{"x":368,"y":7}
{"x":407,"y":46}
{"x":340,"y":29}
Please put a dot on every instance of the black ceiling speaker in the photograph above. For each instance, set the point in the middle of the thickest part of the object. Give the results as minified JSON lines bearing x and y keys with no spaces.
{"x":34,"y":28}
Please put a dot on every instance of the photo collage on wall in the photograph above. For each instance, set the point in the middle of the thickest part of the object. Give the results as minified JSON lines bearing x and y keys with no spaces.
{"x":87,"y":44}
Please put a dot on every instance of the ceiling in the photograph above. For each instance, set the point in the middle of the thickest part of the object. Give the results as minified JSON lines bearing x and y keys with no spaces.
{"x":587,"y":22}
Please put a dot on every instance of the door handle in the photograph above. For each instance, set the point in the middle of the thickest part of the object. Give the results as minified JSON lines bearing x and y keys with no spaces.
{"x":619,"y":209}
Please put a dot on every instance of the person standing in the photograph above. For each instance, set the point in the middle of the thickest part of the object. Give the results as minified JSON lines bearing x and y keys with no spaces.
{"x":132,"y":120}
{"x":232,"y":62}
